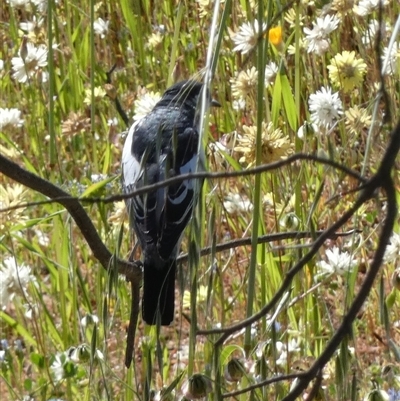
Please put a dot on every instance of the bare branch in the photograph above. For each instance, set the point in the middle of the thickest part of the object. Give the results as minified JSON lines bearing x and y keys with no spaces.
{"x":382,"y":179}
{"x":77,"y":212}
{"x":262,"y":239}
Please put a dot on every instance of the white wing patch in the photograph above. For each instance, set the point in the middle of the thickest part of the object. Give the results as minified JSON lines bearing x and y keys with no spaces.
{"x":130,"y":166}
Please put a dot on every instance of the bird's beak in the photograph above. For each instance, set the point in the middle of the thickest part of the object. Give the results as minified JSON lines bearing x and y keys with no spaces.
{"x":214,"y":103}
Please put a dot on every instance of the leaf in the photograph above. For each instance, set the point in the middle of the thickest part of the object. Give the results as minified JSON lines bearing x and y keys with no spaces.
{"x":276,"y":100}
{"x":97,"y":186}
{"x":18,"y":328}
{"x":227,"y":352}
{"x":37,"y":360}
{"x":289,"y":103}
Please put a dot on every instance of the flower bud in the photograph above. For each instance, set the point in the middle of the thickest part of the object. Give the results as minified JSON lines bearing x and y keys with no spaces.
{"x":234,"y":370}
{"x":377,"y":395}
{"x":197,"y":386}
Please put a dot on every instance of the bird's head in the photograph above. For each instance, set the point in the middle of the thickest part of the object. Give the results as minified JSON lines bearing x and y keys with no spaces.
{"x":185,"y":92}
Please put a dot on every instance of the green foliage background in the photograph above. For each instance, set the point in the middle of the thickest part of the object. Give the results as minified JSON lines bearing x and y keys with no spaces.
{"x":72,"y":131}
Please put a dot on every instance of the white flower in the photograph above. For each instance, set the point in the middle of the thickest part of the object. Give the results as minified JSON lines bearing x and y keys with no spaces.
{"x":41,"y":5}
{"x":271,"y":70}
{"x":10,"y":117}
{"x":283,"y":350}
{"x":29,"y":26}
{"x":392,"y":251}
{"x":293,"y":49}
{"x":112,"y":122}
{"x":239,"y":104}
{"x":35,"y":59}
{"x":101,"y":27}
{"x":1,"y":64}
{"x":41,"y":237}
{"x":246,"y":38}
{"x":372,"y":30}
{"x":89,"y":320}
{"x":18,"y":3}
{"x":145,"y":104}
{"x":317,"y":40}
{"x":366,"y":7}
{"x":13,"y":280}
{"x":325,"y":107}
{"x":57,"y":367}
{"x":98,"y":93}
{"x":337,"y":262}
{"x":81,"y":353}
{"x":390,"y":59}
{"x":236,"y":203}
{"x":307,"y":129}
{"x":98,"y":177}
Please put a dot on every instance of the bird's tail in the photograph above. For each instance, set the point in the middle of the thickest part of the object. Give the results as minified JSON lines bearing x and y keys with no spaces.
{"x":159,"y":293}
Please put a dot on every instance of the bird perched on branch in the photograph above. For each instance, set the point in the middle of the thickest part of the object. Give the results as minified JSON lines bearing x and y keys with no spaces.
{"x":162,"y":145}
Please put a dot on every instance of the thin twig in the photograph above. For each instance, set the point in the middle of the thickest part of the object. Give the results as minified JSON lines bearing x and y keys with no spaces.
{"x":174,"y":180}
{"x":262,"y":239}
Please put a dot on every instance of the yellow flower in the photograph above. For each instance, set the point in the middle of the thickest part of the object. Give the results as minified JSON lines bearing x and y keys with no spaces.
{"x":275,"y":35}
{"x":275,"y":145}
{"x":99,"y":93}
{"x":12,"y":195}
{"x":346,"y":71}
{"x":155,"y":40}
{"x":357,"y":119}
{"x":201,"y":296}
{"x":117,"y":217}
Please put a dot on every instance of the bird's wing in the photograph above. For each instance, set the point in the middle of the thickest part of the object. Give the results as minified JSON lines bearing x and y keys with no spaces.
{"x":180,"y":198}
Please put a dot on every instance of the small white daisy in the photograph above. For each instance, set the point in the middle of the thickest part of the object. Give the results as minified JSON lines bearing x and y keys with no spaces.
{"x":57,"y":368}
{"x":112,"y":122}
{"x":271,"y":69}
{"x":35,"y":59}
{"x":14,"y":280}
{"x":101,"y":27}
{"x":370,"y":33}
{"x":239,"y":104}
{"x":145,"y":104}
{"x":236,"y":204}
{"x":317,"y":39}
{"x":283,"y":350}
{"x":10,"y":117}
{"x":392,"y":251}
{"x":337,"y":262}
{"x":325,"y":107}
{"x":98,"y":177}
{"x":366,"y":7}
{"x":42,"y":238}
{"x":41,"y":5}
{"x":390,"y":59}
{"x":18,"y":3}
{"x":29,"y":26}
{"x":246,"y":37}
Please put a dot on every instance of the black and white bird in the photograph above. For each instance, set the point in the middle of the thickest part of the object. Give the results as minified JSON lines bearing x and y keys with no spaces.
{"x":163,"y":144}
